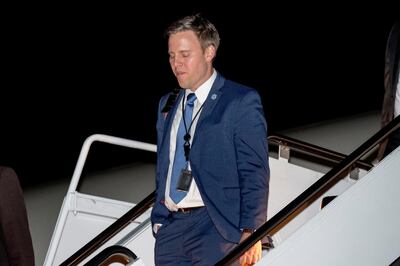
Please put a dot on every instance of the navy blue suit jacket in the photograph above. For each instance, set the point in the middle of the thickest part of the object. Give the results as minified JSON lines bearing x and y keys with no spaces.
{"x":228,"y":157}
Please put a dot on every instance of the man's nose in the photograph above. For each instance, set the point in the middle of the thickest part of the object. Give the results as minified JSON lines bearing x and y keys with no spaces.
{"x":178,"y":62}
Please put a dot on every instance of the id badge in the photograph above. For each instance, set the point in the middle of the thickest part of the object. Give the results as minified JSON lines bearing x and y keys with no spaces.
{"x":185,"y":180}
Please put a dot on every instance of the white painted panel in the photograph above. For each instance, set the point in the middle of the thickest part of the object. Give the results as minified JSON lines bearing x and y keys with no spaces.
{"x":360,"y":227}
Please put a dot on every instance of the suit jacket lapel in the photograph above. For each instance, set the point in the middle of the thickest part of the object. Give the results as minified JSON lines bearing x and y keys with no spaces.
{"x":168,"y":123}
{"x":213,"y":97}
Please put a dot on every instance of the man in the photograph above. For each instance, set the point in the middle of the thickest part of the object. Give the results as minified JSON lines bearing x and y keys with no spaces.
{"x":15,"y":239}
{"x":391,"y":100}
{"x":212,"y":169}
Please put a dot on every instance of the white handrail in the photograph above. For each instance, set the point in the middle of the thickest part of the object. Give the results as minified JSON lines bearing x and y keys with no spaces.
{"x":107,"y":139}
{"x":77,"y":175}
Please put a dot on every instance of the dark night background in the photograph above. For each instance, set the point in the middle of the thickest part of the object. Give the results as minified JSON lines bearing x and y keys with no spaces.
{"x":70,"y":72}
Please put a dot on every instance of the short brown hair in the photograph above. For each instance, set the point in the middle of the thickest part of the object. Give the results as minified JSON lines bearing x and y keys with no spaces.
{"x":203,"y":28}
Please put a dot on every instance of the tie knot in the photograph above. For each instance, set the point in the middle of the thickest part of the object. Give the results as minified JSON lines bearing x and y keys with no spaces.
{"x":191,"y":98}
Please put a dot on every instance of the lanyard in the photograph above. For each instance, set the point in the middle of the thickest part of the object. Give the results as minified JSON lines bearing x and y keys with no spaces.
{"x":187,"y":137}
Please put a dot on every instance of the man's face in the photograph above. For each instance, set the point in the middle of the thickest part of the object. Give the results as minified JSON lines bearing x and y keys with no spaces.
{"x":191,"y":65}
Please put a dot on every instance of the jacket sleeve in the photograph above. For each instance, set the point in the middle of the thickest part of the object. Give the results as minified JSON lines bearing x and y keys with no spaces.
{"x":14,"y":227}
{"x":159,"y":211}
{"x":250,"y":139}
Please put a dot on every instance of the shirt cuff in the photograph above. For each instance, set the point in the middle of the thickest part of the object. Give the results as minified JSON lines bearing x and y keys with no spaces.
{"x":156,"y":227}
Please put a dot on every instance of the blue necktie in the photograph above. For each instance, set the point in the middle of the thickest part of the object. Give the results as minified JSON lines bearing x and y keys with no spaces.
{"x":180,"y":160}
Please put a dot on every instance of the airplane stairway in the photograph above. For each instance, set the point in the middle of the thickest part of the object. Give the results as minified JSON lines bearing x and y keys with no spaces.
{"x":299,"y":185}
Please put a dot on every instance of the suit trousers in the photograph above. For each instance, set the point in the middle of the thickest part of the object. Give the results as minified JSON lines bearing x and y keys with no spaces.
{"x":190,"y":239}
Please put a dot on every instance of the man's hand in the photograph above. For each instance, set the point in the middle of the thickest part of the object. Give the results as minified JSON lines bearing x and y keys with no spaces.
{"x":253,"y":255}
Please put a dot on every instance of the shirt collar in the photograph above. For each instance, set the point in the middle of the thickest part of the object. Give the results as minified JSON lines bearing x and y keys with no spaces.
{"x":203,"y":91}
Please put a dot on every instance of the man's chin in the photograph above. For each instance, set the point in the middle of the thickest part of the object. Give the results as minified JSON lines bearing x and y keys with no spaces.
{"x":183,"y":85}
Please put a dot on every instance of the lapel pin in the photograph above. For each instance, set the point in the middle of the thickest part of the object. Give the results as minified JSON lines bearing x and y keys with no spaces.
{"x":214,"y":96}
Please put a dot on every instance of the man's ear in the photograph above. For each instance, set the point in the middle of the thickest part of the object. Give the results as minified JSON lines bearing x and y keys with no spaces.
{"x":210,"y":53}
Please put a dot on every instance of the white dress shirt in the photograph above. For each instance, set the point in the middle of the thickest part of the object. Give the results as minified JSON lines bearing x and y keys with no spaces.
{"x":193,"y":197}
